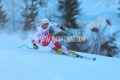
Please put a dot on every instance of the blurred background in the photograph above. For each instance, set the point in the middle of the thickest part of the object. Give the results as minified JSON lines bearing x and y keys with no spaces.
{"x":98,"y":21}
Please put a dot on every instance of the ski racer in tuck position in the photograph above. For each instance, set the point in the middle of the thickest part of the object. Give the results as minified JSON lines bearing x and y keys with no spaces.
{"x":42,"y":37}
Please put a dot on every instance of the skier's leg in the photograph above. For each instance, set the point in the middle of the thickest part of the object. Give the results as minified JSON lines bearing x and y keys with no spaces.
{"x":61,"y":47}
{"x":57,"y":44}
{"x":48,"y":41}
{"x":65,"y":49}
{"x":68,"y":52}
{"x":51,"y":44}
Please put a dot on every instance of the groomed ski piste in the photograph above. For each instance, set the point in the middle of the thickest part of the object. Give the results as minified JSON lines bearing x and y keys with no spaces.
{"x":42,"y":64}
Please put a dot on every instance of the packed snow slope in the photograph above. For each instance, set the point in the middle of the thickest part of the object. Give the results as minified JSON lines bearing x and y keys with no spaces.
{"x":42,"y":64}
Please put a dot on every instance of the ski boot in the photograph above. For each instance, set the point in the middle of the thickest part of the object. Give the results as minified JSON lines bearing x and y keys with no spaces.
{"x":74,"y":54}
{"x":59,"y":51}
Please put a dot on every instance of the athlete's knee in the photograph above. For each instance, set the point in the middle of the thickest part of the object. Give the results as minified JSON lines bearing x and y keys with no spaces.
{"x":57,"y":44}
{"x":64,"y":48}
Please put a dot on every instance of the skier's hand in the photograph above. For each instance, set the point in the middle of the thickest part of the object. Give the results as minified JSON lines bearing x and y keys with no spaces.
{"x":35,"y":46}
{"x":63,"y":28}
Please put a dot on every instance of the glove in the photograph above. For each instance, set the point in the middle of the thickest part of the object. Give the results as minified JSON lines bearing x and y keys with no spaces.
{"x":63,"y":28}
{"x":35,"y":46}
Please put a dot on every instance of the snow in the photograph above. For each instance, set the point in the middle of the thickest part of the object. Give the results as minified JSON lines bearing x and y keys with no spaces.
{"x":42,"y":64}
{"x":28,"y":64}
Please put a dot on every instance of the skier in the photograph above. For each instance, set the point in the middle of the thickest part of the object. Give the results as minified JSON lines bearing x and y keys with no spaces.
{"x":42,"y":37}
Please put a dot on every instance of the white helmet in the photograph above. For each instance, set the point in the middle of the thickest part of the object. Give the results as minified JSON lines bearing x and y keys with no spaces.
{"x":44,"y":20}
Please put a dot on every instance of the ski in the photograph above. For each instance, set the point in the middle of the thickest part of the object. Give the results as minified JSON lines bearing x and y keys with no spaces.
{"x":85,"y":57}
{"x":75,"y":55}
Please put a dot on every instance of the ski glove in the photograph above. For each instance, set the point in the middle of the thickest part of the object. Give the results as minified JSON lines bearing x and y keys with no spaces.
{"x":63,"y":28}
{"x":35,"y":46}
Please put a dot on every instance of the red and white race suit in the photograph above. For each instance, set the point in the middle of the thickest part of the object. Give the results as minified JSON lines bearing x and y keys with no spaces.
{"x":43,"y":37}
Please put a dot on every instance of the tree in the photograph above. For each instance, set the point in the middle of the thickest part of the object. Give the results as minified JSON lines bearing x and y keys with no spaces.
{"x":43,"y":3}
{"x":110,"y":46}
{"x":98,"y":37}
{"x":70,"y":11}
{"x":3,"y":17}
{"x":29,"y":13}
{"x":103,"y":44}
{"x":119,"y":9}
{"x":13,"y":15}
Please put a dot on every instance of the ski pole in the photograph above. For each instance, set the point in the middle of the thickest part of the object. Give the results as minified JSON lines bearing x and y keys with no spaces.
{"x":25,"y":46}
{"x":68,"y":33}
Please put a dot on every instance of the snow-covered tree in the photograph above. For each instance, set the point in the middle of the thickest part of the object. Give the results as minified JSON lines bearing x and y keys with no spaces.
{"x":29,"y":13}
{"x":3,"y":17}
{"x":70,"y":9}
{"x":119,"y":8}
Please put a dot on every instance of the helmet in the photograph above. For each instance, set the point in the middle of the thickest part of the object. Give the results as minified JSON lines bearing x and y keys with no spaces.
{"x":44,"y":20}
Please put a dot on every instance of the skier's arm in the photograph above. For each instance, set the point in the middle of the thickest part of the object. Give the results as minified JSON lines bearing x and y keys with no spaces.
{"x":33,"y":39}
{"x":58,"y":26}
{"x":34,"y":36}
{"x":62,"y":28}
